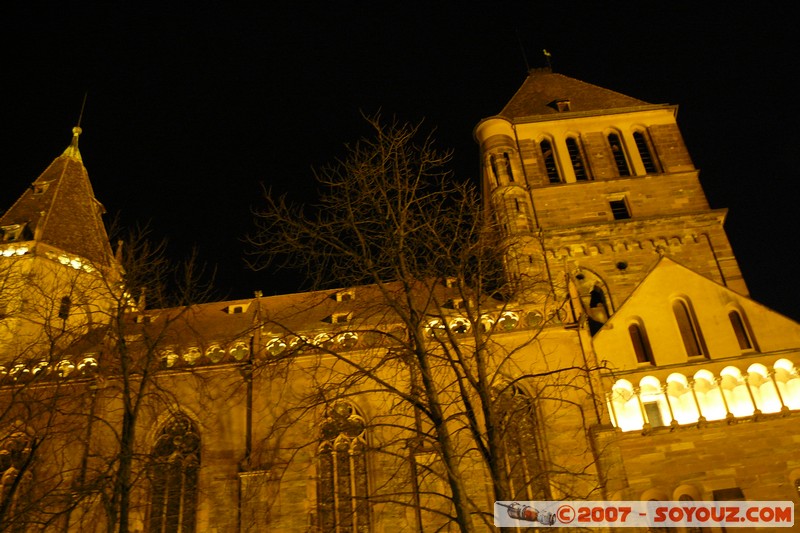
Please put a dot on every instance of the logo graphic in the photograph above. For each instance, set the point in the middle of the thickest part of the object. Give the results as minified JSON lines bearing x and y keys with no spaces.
{"x":529,"y":514}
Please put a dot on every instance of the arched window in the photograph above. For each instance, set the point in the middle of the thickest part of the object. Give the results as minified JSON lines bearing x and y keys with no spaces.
{"x":521,"y":454}
{"x":618,"y":151}
{"x":342,"y":483}
{"x":688,"y":498}
{"x":594,"y":296}
{"x":174,"y":465}
{"x":509,"y":172}
{"x":641,"y":345}
{"x":741,"y":331}
{"x":576,"y":158}
{"x":493,"y":166}
{"x":549,"y":158}
{"x":598,"y":308}
{"x":645,"y":152}
{"x":690,"y":333}
{"x":15,"y":478}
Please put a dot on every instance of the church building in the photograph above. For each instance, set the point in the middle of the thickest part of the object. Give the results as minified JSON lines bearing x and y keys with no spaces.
{"x":631,"y":365}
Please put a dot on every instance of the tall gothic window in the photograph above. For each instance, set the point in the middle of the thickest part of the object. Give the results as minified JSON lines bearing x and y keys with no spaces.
{"x":342,"y":484}
{"x":175,"y":462}
{"x":15,"y":477}
{"x":527,"y":479}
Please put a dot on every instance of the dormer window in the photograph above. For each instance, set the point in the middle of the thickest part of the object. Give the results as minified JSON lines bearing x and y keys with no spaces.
{"x":145,"y":319}
{"x":455,"y":303}
{"x":237,"y":309}
{"x":345,"y":296}
{"x":340,"y":318}
{"x":12,"y":232}
{"x":562,"y":105}
{"x":40,"y":187}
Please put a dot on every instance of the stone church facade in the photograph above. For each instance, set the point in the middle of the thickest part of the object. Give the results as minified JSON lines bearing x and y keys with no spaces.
{"x":637,"y":367}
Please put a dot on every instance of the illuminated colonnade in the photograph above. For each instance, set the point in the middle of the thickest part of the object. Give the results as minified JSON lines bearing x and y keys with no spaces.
{"x":704,"y":396}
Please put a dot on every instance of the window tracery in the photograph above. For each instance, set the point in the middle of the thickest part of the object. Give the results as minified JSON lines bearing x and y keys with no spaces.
{"x":342,"y":495}
{"x":521,"y":453}
{"x":175,"y":462}
{"x":15,"y":475}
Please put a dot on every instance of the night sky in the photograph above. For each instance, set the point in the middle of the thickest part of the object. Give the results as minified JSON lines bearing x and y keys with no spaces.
{"x":192,"y":108}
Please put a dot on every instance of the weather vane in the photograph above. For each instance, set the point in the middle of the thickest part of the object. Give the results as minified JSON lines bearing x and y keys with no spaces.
{"x":547,"y":57}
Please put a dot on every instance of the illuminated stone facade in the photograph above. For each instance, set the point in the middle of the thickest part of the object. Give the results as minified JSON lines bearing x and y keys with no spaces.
{"x":701,"y":382}
{"x":671,"y":381}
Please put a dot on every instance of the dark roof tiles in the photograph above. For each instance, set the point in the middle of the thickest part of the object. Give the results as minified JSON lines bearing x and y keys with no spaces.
{"x":60,"y":209}
{"x":542,"y":90}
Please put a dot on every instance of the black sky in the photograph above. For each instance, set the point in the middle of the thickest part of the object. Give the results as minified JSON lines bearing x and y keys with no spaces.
{"x":192,"y":107}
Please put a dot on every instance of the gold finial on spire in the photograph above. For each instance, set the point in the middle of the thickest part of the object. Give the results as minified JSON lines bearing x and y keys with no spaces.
{"x":72,"y":150}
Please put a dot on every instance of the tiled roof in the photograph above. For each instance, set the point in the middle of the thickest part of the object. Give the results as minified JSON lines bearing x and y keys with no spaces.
{"x":59,"y":209}
{"x":542,"y":90}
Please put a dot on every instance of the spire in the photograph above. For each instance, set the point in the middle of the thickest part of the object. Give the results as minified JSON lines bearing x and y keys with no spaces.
{"x":59,"y":209}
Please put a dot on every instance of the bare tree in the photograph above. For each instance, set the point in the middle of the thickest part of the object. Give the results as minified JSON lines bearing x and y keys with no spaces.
{"x":426,"y":259}
{"x":86,"y":379}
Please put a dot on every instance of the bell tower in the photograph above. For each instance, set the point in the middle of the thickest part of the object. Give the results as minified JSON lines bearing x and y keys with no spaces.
{"x":59,"y":278}
{"x":594,"y":186}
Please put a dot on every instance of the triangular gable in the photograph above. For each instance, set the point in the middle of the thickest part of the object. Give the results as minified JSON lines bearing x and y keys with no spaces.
{"x":651,"y":306}
{"x":542,"y":91}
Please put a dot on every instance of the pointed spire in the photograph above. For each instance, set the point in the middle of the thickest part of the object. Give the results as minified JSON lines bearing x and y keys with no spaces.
{"x":60,"y":210}
{"x":72,"y":150}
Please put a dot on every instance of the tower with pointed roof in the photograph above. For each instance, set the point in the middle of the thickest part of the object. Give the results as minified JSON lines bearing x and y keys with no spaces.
{"x":594,"y":185}
{"x":598,"y":199}
{"x":59,"y":272}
